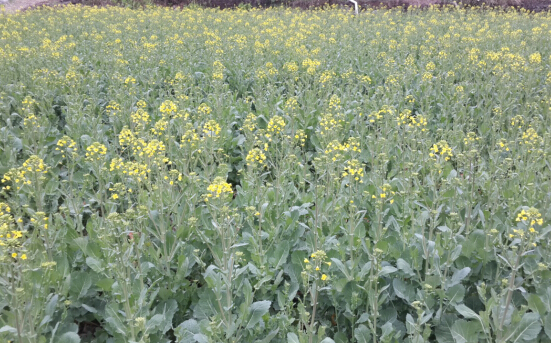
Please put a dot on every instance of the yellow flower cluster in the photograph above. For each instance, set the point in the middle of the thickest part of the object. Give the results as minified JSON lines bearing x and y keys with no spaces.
{"x":126,"y":137}
{"x":95,"y":152}
{"x":118,"y":190}
{"x":386,"y":194}
{"x":531,"y":138}
{"x":256,"y":157}
{"x":326,"y":77}
{"x":67,"y":147}
{"x":218,"y":188}
{"x":153,"y":149}
{"x":502,"y":145}
{"x":275,"y":125}
{"x":190,"y":136}
{"x":113,"y":108}
{"x":311,"y":65}
{"x":134,"y":170}
{"x":406,"y":118}
{"x":532,"y":216}
{"x":10,"y":238}
{"x":211,"y":129}
{"x":354,"y":169}
{"x":249,"y":124}
{"x":159,"y":128}
{"x":218,"y":70}
{"x":300,"y":137}
{"x":441,"y":150}
{"x":140,"y":118}
{"x":31,"y":170}
{"x":168,"y":108}
{"x":329,"y":121}
{"x":291,"y":67}
{"x":204,"y":109}
{"x":291,"y":105}
{"x":517,"y":121}
{"x":471,"y":138}
{"x":318,"y":257}
{"x":378,"y":115}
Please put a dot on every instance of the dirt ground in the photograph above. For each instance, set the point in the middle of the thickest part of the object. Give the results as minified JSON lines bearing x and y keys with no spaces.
{"x":11,"y":6}
{"x":19,"y":5}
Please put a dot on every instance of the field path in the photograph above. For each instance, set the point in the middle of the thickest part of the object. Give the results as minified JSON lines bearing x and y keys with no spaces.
{"x":19,"y":5}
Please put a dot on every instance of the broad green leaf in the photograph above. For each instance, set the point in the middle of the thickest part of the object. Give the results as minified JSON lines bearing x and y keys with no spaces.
{"x":443,"y":331}
{"x":113,"y":317}
{"x":387,"y":270}
{"x":466,"y":312}
{"x":257,"y":310}
{"x":80,"y":284}
{"x":153,"y":323}
{"x":292,"y":338}
{"x":547,"y":325}
{"x":455,"y":294}
{"x":268,"y":337}
{"x":403,"y":290}
{"x":7,"y":328}
{"x":341,"y":267}
{"x":465,"y":332}
{"x":362,"y":334}
{"x":405,"y":267}
{"x":94,"y":264}
{"x":280,"y":255}
{"x":527,"y":329}
{"x":69,"y":337}
{"x":458,"y":276}
{"x":51,"y":305}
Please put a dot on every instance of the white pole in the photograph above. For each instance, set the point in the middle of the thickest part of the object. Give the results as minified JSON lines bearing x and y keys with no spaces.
{"x":355,"y":5}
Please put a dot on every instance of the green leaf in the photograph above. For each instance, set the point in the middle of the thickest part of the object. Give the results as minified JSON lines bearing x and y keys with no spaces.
{"x":167,"y":309}
{"x":80,"y":284}
{"x":387,"y":270}
{"x":268,"y":337}
{"x":458,"y":276}
{"x":403,"y":290}
{"x":292,"y":338}
{"x":7,"y":328}
{"x":535,"y":304}
{"x":547,"y":325}
{"x":327,"y":340}
{"x":69,"y":337}
{"x":341,"y":267}
{"x":527,"y":329}
{"x":466,"y":312}
{"x":257,"y":310}
{"x":362,"y":334}
{"x":94,"y":264}
{"x":465,"y":332}
{"x":51,"y":305}
{"x":154,"y":322}
{"x":280,"y":255}
{"x":443,"y":331}
{"x":455,"y":294}
{"x":405,"y":267}
{"x":113,"y":317}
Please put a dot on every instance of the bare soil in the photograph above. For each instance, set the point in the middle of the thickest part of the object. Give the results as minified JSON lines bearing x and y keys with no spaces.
{"x":21,"y":5}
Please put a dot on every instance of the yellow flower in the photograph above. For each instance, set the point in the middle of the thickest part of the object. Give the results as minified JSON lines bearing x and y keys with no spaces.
{"x":323,"y":277}
{"x":306,"y":260}
{"x":14,"y":255}
{"x":24,"y":256}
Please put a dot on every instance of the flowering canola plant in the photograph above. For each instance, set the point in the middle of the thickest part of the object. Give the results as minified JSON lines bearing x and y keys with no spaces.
{"x":275,"y":175}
